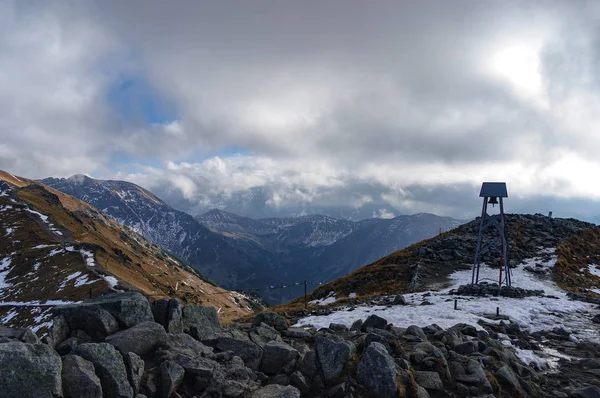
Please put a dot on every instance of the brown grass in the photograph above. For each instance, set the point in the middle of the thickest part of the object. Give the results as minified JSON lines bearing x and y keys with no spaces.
{"x":574,"y":256}
{"x":118,"y":251}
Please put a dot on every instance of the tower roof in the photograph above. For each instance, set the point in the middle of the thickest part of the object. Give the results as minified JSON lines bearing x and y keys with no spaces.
{"x":493,"y":189}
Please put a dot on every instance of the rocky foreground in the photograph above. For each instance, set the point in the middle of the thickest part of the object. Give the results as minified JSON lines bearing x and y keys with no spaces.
{"x":121,"y":345}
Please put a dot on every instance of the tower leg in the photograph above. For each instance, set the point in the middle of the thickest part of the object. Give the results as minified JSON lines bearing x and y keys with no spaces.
{"x":475,"y":276}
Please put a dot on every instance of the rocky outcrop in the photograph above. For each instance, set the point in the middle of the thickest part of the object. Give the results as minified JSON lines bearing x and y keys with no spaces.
{"x":29,"y":370}
{"x":201,"y":322}
{"x":79,"y":378}
{"x":260,"y":360}
{"x":139,"y":339}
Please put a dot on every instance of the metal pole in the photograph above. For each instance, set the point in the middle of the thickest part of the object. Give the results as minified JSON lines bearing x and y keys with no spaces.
{"x":305,"y":295}
{"x":479,"y":239}
{"x":507,"y":277}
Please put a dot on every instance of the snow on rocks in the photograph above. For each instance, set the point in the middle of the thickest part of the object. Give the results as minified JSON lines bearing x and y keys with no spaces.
{"x":330,"y":299}
{"x":531,"y":314}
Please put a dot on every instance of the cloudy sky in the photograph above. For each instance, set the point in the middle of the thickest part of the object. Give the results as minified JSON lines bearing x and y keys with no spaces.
{"x":339,"y":102}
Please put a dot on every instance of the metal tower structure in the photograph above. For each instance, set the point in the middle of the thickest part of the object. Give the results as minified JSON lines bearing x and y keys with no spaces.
{"x":492,"y":238}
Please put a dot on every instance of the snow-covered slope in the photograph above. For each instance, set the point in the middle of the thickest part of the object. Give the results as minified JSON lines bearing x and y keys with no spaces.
{"x":56,"y":249}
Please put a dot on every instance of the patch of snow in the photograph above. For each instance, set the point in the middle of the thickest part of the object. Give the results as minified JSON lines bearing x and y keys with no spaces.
{"x":55,"y":252}
{"x":83,"y":280}
{"x":36,"y":266}
{"x":330,"y":299}
{"x":11,"y":314}
{"x":89,"y":257}
{"x":594,"y":270}
{"x":531,"y":313}
{"x":352,"y":295}
{"x":4,"y":264}
{"x":4,"y":208}
{"x":9,"y":231}
{"x":112,"y":281}
{"x":42,"y":216}
{"x":43,"y":246}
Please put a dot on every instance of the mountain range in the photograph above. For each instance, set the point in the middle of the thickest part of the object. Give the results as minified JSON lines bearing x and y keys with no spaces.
{"x":240,"y":252}
{"x":56,"y":249}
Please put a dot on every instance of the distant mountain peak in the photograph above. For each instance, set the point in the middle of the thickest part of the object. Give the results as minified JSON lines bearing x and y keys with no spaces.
{"x":79,"y":179}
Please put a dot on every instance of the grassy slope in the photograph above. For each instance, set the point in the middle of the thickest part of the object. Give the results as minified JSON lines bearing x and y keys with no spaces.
{"x":118,"y":251}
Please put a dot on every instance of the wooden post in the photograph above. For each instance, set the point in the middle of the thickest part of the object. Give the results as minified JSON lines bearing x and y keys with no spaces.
{"x":305,"y":304}
{"x":455,"y":304}
{"x":497,"y":311}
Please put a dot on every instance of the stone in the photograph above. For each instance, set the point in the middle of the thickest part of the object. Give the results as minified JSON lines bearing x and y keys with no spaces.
{"x":474,"y":368}
{"x":296,"y":333}
{"x":264,"y":334}
{"x":29,"y":337}
{"x":338,"y":391}
{"x":109,"y":366}
{"x":275,"y":356}
{"x":129,"y":308}
{"x":506,"y":377}
{"x":272,"y":319}
{"x":134,"y":366}
{"x":201,"y":322}
{"x":276,"y":391}
{"x":466,"y":348}
{"x":338,"y":327}
{"x":399,"y":300}
{"x":416,"y":331}
{"x":79,"y":379}
{"x":308,"y":365}
{"x":377,"y":371}
{"x":375,"y":322}
{"x":372,"y":337}
{"x":59,"y":330}
{"x":587,"y":392}
{"x":356,"y":325}
{"x":297,"y":380}
{"x":332,"y":353}
{"x":183,"y":344}
{"x":93,"y":319}
{"x":140,"y":339}
{"x":250,"y":352}
{"x":66,"y":346}
{"x":159,"y":311}
{"x":29,"y":370}
{"x":429,"y":380}
{"x":171,"y":376}
{"x":174,"y":317}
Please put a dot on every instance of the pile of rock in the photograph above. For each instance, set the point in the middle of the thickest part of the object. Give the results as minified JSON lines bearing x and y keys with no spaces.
{"x":122,"y":346}
{"x":491,"y":289}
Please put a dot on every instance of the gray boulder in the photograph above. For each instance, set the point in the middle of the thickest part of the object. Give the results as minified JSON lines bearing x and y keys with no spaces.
{"x":201,"y":322}
{"x":79,"y":379}
{"x":140,"y":339}
{"x":171,"y":376}
{"x":506,"y":377}
{"x":377,"y":371}
{"x":429,"y":380}
{"x":93,"y":319}
{"x":29,"y":370}
{"x":183,"y":344}
{"x":250,"y":352}
{"x":159,"y":311}
{"x":375,"y":322}
{"x":416,"y":331}
{"x":134,"y":366}
{"x":29,"y":337}
{"x":332,"y":353}
{"x":109,"y":366}
{"x":174,"y":317}
{"x":272,"y":319}
{"x":587,"y":392}
{"x":275,"y":356}
{"x":308,"y":365}
{"x":129,"y":308}
{"x":263,"y":334}
{"x":276,"y":391}
{"x":297,"y":380}
{"x":59,"y":330}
